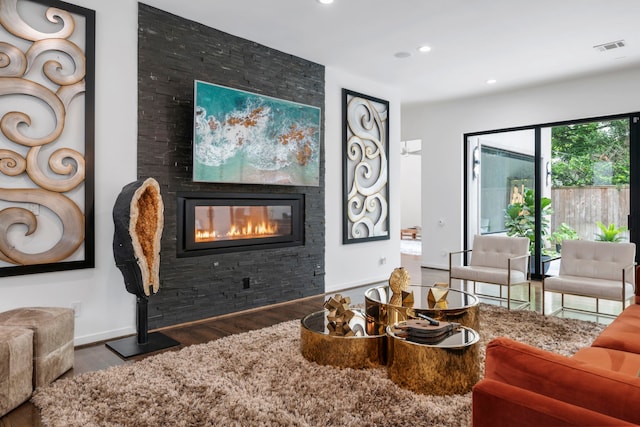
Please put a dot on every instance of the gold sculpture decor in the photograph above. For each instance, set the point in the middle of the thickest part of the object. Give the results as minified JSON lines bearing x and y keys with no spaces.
{"x":340,"y":314}
{"x":437,"y":297}
{"x":399,"y":280}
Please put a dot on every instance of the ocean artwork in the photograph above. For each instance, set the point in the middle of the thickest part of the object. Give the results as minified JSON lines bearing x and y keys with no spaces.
{"x":242,"y":137}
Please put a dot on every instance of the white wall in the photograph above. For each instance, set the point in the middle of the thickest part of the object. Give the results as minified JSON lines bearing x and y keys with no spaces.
{"x":441,"y":127}
{"x":107,"y":310}
{"x":358,"y":263}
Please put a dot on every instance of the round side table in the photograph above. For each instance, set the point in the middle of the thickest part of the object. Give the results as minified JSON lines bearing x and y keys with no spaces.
{"x":359,"y":351}
{"x":383,"y":308}
{"x":451,"y":366}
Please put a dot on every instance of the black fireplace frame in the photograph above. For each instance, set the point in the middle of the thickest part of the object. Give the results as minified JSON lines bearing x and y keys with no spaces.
{"x":186,"y":246}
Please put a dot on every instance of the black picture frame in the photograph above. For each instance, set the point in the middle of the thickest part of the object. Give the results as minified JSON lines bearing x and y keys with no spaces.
{"x":82,"y":85}
{"x":365,"y":168}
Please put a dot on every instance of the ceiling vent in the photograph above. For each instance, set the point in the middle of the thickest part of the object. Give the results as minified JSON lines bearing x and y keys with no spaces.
{"x":610,"y":46}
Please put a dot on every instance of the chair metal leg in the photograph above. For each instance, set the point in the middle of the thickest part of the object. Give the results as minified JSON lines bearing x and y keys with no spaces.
{"x":542,"y":296}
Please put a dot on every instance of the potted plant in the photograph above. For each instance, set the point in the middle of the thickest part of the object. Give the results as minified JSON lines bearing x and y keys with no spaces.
{"x":609,"y":233}
{"x":564,"y":232}
{"x":520,"y":220}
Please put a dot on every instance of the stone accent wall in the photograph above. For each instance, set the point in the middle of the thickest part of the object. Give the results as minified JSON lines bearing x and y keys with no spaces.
{"x":172,"y":53}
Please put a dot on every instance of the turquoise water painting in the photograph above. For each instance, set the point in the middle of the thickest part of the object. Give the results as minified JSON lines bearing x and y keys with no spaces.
{"x":242,"y":137}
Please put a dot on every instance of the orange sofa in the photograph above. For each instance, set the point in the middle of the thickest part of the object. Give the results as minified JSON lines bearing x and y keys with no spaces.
{"x":598,"y":386}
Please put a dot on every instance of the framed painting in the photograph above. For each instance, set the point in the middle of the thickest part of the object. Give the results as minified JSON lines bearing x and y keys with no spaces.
{"x":365,"y":168}
{"x":242,"y":137}
{"x":46,"y":137}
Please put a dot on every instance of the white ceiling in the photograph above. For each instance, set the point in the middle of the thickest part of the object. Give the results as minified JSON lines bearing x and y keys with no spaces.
{"x":517,"y":42}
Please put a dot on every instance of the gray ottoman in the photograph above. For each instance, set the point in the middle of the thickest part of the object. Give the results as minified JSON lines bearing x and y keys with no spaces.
{"x":52,"y":339}
{"x":16,"y":367}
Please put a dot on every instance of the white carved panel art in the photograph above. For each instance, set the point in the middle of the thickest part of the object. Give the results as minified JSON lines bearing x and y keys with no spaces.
{"x":365,"y":168}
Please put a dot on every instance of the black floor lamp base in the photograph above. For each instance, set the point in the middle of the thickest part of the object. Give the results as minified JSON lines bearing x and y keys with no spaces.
{"x":129,"y":346}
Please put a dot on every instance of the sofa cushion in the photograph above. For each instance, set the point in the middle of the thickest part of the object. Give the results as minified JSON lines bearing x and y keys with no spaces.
{"x":496,"y":404}
{"x":488,"y":274}
{"x":588,"y":286}
{"x":613,"y":360}
{"x":601,"y":260}
{"x":563,"y":378}
{"x":495,"y":251}
{"x":624,"y":333}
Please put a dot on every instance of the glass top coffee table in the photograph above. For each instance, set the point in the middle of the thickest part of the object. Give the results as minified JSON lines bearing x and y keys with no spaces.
{"x":361,"y":350}
{"x":450,"y":366}
{"x":384,"y":308}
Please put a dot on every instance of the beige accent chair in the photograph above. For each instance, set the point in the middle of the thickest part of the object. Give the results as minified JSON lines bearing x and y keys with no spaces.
{"x":495,"y":259}
{"x":601,"y":270}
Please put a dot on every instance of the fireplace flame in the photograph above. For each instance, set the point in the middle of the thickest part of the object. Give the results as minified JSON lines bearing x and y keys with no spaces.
{"x":205,"y":235}
{"x":248,"y":231}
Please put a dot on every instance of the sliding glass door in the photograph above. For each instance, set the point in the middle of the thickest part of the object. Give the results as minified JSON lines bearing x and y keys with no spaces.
{"x":590,"y":177}
{"x":549,"y":183}
{"x":501,"y":186}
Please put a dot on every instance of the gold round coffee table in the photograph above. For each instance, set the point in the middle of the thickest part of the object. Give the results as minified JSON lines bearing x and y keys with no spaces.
{"x":384,"y":308}
{"x":451,"y":366}
{"x":359,"y":351}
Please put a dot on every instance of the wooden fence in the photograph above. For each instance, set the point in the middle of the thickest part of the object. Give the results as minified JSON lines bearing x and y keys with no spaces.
{"x":581,"y":207}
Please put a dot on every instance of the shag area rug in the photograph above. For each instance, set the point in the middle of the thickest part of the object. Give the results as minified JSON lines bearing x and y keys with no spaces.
{"x":259,"y":378}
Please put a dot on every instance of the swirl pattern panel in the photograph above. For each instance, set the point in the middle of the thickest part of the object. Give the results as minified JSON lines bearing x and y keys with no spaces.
{"x":366,"y":174}
{"x":45,"y":203}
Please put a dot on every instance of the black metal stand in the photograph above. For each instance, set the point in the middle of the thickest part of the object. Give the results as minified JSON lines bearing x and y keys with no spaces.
{"x":144,"y":342}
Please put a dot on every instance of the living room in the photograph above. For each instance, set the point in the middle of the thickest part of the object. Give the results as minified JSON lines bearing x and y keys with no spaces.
{"x":107,"y":311}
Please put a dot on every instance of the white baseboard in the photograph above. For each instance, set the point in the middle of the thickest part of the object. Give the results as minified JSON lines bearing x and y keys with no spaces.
{"x":436,"y":266}
{"x":103,"y":336}
{"x":343,"y":286}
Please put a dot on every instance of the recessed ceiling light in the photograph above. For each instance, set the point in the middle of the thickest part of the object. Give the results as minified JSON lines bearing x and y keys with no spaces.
{"x":325,"y":1}
{"x":491,"y":81}
{"x":402,"y":55}
{"x":424,"y":49}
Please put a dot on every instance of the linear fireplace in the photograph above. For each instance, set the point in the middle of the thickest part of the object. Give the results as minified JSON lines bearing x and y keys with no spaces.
{"x":214,"y":223}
